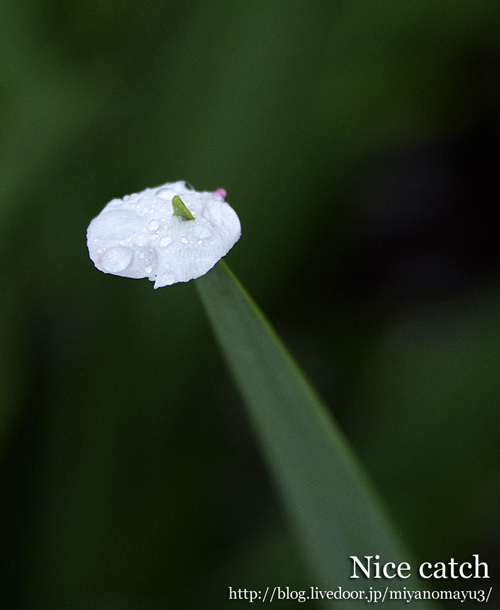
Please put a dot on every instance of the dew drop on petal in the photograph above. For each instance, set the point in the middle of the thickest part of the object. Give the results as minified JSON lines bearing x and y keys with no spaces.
{"x":117,"y":259}
{"x":184,"y":240}
{"x":154,"y":225}
{"x":140,"y":239}
{"x":164,"y":194}
{"x":165,"y":241}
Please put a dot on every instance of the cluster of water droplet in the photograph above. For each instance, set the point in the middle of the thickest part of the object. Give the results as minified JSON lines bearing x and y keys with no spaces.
{"x":139,"y":236}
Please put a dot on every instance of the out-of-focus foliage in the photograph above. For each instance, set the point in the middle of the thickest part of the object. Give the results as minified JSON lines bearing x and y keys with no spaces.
{"x":373,"y":129}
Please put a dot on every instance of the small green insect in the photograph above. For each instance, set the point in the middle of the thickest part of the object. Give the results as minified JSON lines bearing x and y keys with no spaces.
{"x":180,"y":209}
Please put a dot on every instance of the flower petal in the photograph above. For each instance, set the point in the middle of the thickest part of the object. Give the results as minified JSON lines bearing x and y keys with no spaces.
{"x":140,"y":236}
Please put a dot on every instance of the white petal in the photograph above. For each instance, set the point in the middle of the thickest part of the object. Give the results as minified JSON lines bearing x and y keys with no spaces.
{"x":139,"y":236}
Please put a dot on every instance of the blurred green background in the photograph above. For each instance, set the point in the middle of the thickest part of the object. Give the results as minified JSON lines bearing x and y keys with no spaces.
{"x":359,"y":143}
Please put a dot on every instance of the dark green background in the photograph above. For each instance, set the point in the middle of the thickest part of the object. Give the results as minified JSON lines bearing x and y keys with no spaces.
{"x":359,"y":143}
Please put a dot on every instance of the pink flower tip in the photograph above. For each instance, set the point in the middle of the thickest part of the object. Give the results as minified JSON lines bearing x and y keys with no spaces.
{"x":221,"y":192}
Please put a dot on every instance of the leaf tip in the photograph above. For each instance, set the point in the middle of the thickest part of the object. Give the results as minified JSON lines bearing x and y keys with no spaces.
{"x":180,"y":209}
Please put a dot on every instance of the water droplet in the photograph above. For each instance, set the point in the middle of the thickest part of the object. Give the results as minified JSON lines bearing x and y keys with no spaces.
{"x":166,"y":265}
{"x":165,"y":241}
{"x":141,"y":254}
{"x":141,"y":239}
{"x":117,"y":259}
{"x":148,"y":269}
{"x":154,"y":225}
{"x":166,"y":194}
{"x":184,"y":240}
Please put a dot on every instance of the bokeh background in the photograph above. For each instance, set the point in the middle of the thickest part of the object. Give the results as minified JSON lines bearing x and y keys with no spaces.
{"x":359,"y":143}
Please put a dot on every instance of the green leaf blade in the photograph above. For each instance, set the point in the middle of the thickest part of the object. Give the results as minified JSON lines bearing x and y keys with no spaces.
{"x":329,"y":499}
{"x":180,"y":209}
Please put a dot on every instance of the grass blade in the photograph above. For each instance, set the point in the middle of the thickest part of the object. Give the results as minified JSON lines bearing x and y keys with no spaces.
{"x":330,"y":501}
